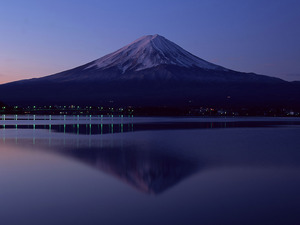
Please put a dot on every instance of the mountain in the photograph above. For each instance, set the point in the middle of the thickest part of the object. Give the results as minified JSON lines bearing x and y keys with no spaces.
{"x":145,"y":53}
{"x":153,"y":71}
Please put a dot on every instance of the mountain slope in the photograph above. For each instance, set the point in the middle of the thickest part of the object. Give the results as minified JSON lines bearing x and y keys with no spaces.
{"x":150,"y":51}
{"x":153,"y":71}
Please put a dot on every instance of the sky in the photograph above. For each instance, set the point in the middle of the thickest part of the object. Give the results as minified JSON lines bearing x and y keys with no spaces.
{"x":43,"y":37}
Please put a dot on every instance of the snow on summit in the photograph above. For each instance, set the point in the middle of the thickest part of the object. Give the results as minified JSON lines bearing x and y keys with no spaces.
{"x":150,"y":51}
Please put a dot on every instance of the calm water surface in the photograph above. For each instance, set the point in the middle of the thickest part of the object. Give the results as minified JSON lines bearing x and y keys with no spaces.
{"x":104,"y":170}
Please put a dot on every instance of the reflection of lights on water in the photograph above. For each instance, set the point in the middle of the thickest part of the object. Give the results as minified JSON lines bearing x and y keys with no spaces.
{"x":112,"y":125}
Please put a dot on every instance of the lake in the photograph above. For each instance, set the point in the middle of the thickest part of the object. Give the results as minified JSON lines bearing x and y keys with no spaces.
{"x":149,"y":170}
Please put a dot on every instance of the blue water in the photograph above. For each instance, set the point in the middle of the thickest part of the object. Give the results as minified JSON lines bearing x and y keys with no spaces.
{"x":104,"y":170}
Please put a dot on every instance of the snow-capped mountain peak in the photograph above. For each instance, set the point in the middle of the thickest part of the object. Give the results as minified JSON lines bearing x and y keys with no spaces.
{"x":150,"y":51}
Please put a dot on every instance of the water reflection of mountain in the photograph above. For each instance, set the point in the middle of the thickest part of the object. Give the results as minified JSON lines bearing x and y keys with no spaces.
{"x":148,"y":171}
{"x":145,"y":168}
{"x":155,"y":167}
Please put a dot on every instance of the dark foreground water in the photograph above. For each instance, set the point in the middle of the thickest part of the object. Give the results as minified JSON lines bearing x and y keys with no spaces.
{"x":100,"y":170}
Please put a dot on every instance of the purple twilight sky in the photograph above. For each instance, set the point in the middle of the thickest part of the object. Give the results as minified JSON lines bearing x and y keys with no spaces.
{"x":39,"y":38}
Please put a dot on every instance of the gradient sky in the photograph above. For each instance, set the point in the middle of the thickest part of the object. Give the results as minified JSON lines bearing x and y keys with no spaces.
{"x":42,"y":37}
